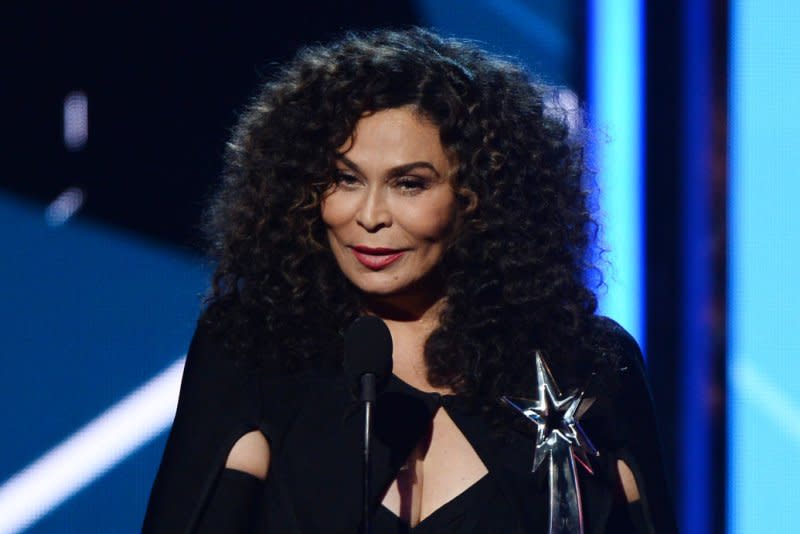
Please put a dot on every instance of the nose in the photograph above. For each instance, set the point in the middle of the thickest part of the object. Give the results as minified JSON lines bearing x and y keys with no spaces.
{"x":374,"y":213}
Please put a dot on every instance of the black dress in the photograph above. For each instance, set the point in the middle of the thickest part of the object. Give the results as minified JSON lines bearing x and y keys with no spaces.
{"x":314,"y":430}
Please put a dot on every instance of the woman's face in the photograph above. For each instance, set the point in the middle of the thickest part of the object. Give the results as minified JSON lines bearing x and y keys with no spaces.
{"x":392,"y":209}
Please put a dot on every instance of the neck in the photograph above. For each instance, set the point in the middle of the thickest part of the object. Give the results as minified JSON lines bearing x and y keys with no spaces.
{"x":420,"y":303}
{"x":410,"y":321}
{"x":406,"y":308}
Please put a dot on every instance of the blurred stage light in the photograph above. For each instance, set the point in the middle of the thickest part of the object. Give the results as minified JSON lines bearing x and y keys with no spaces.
{"x":91,"y":451}
{"x":763,"y":405}
{"x":779,"y":407}
{"x":64,"y":206}
{"x":76,"y":120}
{"x":528,"y":19}
{"x":615,"y":86}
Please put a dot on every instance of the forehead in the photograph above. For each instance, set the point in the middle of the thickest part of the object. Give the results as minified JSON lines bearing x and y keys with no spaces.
{"x":395,"y":136}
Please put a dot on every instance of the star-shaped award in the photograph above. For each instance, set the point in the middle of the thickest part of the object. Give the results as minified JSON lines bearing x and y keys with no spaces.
{"x":561,"y":439}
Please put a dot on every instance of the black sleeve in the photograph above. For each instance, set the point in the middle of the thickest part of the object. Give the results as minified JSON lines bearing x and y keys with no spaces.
{"x":219,"y":402}
{"x":641,"y":449}
{"x":232,"y":505}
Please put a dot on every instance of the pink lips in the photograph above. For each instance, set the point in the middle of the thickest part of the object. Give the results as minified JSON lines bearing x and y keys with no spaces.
{"x":376,"y":258}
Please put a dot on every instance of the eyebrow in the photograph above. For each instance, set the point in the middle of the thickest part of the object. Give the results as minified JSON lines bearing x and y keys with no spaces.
{"x":394,"y":171}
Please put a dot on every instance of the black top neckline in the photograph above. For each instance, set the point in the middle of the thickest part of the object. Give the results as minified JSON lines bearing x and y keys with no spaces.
{"x":444,"y":515}
{"x":404,"y":387}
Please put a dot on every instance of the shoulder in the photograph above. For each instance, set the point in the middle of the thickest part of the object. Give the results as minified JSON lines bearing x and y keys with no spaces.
{"x":217,"y":389}
{"x":614,"y":345}
{"x":210,"y":366}
{"x":619,"y":366}
{"x":264,"y":390}
{"x":215,"y":355}
{"x":623,"y":379}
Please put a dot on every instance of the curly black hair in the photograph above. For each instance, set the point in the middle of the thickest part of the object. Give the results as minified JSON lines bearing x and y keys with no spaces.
{"x":516,"y":273}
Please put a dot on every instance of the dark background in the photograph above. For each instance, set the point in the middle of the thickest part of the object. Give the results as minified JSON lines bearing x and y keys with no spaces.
{"x":164,"y":82}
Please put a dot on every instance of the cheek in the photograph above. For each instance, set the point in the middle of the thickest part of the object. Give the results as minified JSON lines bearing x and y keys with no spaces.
{"x":334,"y":210}
{"x":432,"y":223}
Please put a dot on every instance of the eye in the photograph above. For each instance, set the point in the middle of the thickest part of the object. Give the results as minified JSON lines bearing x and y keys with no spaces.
{"x":411,"y":184}
{"x":346,"y":179}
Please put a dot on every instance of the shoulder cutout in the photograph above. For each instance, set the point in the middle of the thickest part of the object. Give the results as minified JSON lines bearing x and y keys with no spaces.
{"x":250,"y":454}
{"x":628,"y":481}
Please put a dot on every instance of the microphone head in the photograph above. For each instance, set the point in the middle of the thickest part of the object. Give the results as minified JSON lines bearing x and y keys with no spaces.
{"x":367,"y":349}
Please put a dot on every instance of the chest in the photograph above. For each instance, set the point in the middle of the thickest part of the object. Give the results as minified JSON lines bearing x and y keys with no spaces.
{"x":440,"y":467}
{"x":427,"y":452}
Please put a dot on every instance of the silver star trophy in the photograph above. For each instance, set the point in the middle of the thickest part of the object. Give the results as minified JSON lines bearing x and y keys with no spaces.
{"x":561,"y":440}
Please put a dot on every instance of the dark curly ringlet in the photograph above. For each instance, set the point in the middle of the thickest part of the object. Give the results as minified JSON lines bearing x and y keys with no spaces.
{"x":516,"y":271}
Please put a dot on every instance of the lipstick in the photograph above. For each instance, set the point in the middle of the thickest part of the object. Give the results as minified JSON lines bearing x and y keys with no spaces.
{"x":376,"y":258}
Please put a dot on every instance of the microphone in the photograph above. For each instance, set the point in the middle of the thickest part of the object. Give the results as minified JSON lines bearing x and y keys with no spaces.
{"x":367,"y":356}
{"x":367,"y":365}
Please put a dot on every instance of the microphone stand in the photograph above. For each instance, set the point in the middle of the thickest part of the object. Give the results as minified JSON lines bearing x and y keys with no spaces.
{"x":368,"y":395}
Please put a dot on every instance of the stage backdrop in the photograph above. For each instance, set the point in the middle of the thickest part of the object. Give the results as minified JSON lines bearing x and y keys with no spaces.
{"x":764,"y":258}
{"x":89,"y":317}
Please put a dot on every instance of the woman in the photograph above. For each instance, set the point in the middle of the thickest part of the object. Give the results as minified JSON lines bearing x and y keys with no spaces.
{"x":426,"y":182}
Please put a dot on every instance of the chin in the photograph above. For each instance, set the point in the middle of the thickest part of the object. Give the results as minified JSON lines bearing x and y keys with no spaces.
{"x":388,"y":287}
{"x":378,"y":288}
{"x":393,"y":283}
